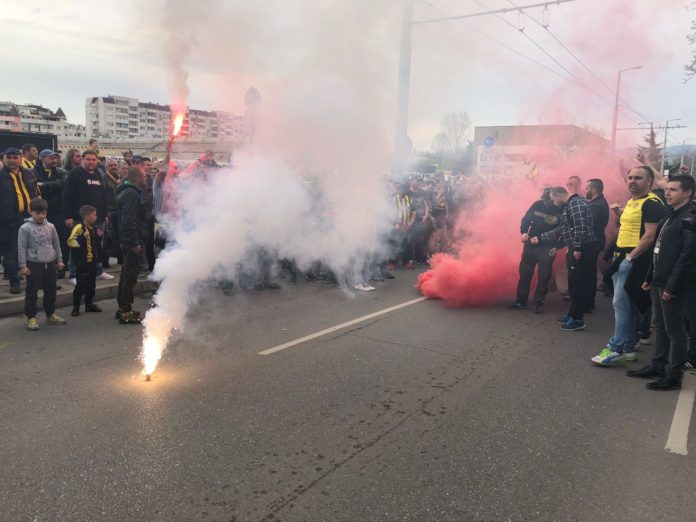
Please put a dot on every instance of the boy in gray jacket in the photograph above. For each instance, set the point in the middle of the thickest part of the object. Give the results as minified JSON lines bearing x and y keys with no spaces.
{"x":39,"y":260}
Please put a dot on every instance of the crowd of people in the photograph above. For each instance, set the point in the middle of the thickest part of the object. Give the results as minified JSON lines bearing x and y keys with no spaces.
{"x":648,"y":265}
{"x":72,"y":221}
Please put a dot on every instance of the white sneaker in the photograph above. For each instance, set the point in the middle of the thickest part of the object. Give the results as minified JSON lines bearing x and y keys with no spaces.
{"x":73,"y":281}
{"x":368,"y":288}
{"x":105,"y":275}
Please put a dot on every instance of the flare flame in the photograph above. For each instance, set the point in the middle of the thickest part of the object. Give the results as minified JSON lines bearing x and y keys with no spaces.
{"x":178,"y":123}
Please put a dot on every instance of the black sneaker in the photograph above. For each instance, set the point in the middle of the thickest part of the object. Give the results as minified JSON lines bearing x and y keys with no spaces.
{"x":664,"y":384}
{"x":690,"y":365}
{"x":647,"y":372}
{"x":538,"y":309}
{"x":92,"y":308}
{"x":15,"y":288}
{"x":517,"y":306}
{"x":130,"y":317}
{"x":75,"y":312}
{"x":272,"y":286}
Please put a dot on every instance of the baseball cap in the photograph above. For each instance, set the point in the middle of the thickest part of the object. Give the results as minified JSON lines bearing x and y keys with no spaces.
{"x":47,"y":153}
{"x":12,"y":151}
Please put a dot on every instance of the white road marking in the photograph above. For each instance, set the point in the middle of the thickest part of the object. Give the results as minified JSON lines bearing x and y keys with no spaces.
{"x":340,"y":326}
{"x":679,"y":432}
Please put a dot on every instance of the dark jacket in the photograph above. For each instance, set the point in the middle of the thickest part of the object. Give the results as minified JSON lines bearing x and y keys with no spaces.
{"x":674,"y":254}
{"x":130,"y":216}
{"x":576,"y":228}
{"x":600,"y":219}
{"x":51,"y":188}
{"x":84,"y":244}
{"x":109,"y":193}
{"x":82,"y":188}
{"x":9,"y":206}
{"x":541,"y":217}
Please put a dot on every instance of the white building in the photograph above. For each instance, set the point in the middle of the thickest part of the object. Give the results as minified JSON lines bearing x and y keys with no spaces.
{"x":35,"y":118}
{"x":117,"y":118}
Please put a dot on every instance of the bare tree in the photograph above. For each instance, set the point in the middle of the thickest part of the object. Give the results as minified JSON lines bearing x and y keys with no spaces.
{"x":454,"y":129}
{"x":690,"y":67}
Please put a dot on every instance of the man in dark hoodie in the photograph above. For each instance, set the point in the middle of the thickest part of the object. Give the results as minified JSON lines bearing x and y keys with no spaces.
{"x":594,"y":193}
{"x":84,"y":186}
{"x":133,"y":235}
{"x":17,"y":189}
{"x":671,"y":274}
{"x":541,"y":217}
{"x":50,"y":179}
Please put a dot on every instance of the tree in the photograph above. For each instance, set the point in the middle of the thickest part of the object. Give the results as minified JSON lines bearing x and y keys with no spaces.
{"x":454,"y":128}
{"x":652,"y":151}
{"x":690,"y":67}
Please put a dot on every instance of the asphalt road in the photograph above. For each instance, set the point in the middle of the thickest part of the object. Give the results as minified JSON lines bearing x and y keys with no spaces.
{"x":426,"y":413}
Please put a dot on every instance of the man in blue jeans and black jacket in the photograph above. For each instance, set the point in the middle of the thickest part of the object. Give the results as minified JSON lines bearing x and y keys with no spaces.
{"x":671,"y":274}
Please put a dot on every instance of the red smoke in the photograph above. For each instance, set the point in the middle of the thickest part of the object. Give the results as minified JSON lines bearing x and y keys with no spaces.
{"x":485,"y":269}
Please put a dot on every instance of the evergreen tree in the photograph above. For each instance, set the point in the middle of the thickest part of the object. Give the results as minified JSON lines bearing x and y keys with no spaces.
{"x":651,"y":151}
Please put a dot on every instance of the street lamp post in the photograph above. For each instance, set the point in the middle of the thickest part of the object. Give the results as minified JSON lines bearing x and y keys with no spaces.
{"x":616,"y":106}
{"x":664,"y":145}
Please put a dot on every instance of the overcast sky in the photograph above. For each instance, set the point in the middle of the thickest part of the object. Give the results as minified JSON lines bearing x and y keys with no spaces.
{"x":58,"y":56}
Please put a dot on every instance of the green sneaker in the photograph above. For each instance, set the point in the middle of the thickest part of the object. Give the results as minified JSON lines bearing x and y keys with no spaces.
{"x":54,"y":319}
{"x":630,"y":357}
{"x":607,"y":357}
{"x":32,"y":324}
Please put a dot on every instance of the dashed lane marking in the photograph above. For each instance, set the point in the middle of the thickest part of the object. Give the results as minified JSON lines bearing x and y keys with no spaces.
{"x":332,"y":329}
{"x":679,"y":432}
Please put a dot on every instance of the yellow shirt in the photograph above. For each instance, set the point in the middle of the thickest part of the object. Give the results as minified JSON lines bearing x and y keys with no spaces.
{"x":632,"y":221}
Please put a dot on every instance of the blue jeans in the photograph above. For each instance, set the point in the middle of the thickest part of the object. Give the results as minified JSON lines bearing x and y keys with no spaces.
{"x":626,"y":315}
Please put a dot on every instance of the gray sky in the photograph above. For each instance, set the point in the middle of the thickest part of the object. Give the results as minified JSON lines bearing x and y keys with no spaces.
{"x":76,"y":49}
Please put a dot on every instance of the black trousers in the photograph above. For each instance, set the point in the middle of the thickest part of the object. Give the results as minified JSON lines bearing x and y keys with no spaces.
{"x":86,"y":276}
{"x":581,"y":273}
{"x":593,"y":281}
{"x":43,"y":276}
{"x":128,"y":279}
{"x":150,"y":245}
{"x":8,"y":249}
{"x":670,"y":333}
{"x":534,"y":256}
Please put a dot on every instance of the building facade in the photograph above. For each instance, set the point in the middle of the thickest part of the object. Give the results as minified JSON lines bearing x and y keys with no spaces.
{"x":35,"y":118}
{"x":118,"y":118}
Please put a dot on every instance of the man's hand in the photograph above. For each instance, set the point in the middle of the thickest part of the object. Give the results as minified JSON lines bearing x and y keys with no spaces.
{"x":69,"y":223}
{"x":666,"y":296}
{"x":645,"y":286}
{"x":137,"y":249}
{"x":525,"y":238}
{"x":24,"y":271}
{"x":552,"y":251}
{"x":60,"y":266}
{"x":577,"y":255}
{"x":534,"y":240}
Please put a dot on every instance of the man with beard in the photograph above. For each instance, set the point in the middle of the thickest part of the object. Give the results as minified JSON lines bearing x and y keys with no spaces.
{"x":84,"y":186}
{"x":594,"y":193}
{"x":29,"y":155}
{"x":634,"y":243}
{"x":51,"y":182}
{"x":541,"y":217}
{"x":576,"y":230}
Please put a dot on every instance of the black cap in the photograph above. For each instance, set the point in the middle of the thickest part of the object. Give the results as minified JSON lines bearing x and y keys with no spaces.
{"x":12,"y":151}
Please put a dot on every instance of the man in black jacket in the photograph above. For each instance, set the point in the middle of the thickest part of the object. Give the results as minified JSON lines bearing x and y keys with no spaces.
{"x":594,"y":193}
{"x":133,"y":235}
{"x":541,"y":217}
{"x":671,"y":273}
{"x":50,"y":179}
{"x":84,"y":186}
{"x":17,"y":189}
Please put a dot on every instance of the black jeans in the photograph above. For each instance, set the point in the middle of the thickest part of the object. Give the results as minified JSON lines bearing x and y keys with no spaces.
{"x":534,"y":256}
{"x":670,"y":333}
{"x":128,"y":279}
{"x":43,"y":276}
{"x":86,"y":276}
{"x":150,"y":245}
{"x":581,"y":273}
{"x":8,"y":250}
{"x":593,"y":281}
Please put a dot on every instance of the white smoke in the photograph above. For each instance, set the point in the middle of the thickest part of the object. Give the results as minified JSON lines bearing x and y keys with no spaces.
{"x":326,"y":73}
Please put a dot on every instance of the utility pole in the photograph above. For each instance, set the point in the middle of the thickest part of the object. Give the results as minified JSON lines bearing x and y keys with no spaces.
{"x":664,"y":145}
{"x":616,"y":106}
{"x":401,"y":141}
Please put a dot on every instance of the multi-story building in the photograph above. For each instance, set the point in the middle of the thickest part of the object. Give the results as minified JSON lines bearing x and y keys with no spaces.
{"x":35,"y":118}
{"x":119,"y":118}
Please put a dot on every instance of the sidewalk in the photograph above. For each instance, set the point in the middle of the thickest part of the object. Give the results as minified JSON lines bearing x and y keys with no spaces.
{"x":12,"y":304}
